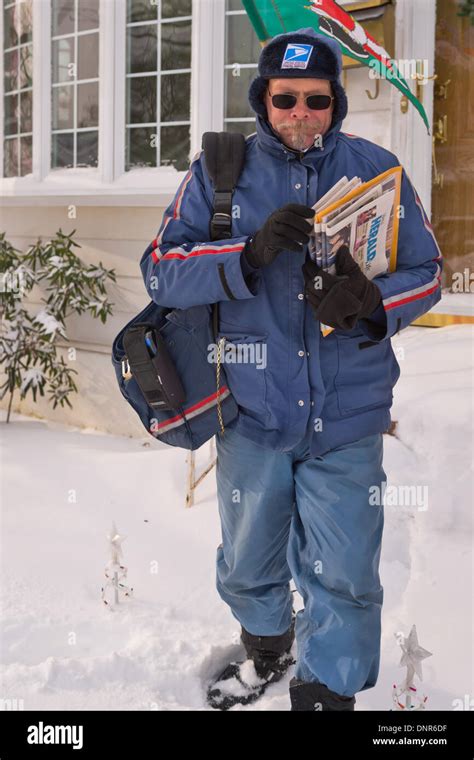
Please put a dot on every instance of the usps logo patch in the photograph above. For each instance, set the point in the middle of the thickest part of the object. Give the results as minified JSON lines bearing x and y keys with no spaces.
{"x":297,"y":56}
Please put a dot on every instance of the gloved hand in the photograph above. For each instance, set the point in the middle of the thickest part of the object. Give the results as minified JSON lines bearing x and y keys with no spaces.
{"x":285,"y":229}
{"x":340,"y":300}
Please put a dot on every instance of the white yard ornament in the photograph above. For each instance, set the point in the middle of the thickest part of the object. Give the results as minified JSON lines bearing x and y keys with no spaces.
{"x":115,"y":572}
{"x":412,"y":656}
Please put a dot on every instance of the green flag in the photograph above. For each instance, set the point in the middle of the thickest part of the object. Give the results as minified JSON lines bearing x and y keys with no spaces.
{"x":272,"y":17}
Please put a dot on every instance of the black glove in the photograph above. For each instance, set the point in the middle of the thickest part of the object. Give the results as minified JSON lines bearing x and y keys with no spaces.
{"x":340,"y":300}
{"x":285,"y":229}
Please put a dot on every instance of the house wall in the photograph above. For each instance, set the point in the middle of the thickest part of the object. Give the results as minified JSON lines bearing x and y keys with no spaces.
{"x":368,"y":118}
{"x":117,"y":237}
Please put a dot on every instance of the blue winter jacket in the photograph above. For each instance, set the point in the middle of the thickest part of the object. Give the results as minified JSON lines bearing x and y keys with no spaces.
{"x":340,"y":385}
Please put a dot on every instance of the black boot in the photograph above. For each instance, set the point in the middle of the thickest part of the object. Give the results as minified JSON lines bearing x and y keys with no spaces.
{"x":270,"y":653}
{"x":271,"y":659}
{"x":306,"y":695}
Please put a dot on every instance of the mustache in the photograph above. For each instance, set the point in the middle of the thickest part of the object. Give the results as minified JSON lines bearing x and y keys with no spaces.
{"x":302,"y":127}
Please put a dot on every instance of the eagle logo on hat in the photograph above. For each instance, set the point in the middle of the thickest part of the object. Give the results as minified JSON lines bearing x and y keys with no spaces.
{"x":296,"y":56}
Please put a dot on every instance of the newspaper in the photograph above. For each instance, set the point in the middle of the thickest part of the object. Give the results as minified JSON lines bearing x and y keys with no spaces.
{"x":362,"y":216}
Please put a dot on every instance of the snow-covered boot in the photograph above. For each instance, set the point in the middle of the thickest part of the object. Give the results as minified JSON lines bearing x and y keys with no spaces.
{"x":306,"y":695}
{"x":244,"y":682}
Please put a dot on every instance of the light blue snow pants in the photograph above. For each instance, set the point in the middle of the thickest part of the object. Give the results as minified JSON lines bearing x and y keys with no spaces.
{"x":289,"y":515}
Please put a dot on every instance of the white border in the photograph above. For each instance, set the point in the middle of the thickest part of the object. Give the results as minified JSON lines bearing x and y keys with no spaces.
{"x":415,"y":38}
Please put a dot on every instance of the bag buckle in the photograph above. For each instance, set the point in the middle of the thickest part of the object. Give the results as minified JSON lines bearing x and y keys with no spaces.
{"x":221,"y":225}
{"x":126,"y":371}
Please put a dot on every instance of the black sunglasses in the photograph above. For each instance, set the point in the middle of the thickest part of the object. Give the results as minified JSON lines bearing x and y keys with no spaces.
{"x":315,"y":102}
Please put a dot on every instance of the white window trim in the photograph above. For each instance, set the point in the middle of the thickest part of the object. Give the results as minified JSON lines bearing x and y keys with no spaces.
{"x":415,"y":37}
{"x":110,"y":183}
{"x":207,"y":62}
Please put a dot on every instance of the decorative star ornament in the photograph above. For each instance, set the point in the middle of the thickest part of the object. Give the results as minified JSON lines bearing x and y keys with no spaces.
{"x":116,"y":541}
{"x":115,"y":571}
{"x":413,"y":654}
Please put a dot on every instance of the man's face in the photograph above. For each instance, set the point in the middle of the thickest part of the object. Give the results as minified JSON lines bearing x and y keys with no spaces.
{"x":297,"y":127}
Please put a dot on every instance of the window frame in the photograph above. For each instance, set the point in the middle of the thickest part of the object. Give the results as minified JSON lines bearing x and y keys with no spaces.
{"x":109,"y":182}
{"x":229,"y":67}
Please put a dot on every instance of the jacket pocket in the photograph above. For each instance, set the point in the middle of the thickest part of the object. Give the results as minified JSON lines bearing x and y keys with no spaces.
{"x":244,"y":358}
{"x":365,"y":378}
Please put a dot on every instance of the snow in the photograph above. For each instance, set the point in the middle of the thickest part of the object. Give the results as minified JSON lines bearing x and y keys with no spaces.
{"x":64,"y":487}
{"x":49,"y":323}
{"x":455,"y":303}
{"x":33,"y":376}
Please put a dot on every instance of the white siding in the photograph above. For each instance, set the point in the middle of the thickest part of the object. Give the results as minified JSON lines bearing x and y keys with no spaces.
{"x":368,"y":118}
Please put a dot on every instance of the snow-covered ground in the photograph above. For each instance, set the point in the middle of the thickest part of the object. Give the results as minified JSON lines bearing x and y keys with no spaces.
{"x":63,"y":487}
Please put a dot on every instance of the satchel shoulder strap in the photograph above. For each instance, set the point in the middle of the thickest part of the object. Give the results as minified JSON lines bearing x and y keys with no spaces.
{"x":224,"y":156}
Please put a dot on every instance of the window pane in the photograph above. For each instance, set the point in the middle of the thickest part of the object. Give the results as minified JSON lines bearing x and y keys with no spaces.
{"x":11,"y":114}
{"x":141,"y":100}
{"x":141,"y":10}
{"x":88,"y":104}
{"x":236,"y":92}
{"x":17,"y":78}
{"x":62,"y":151}
{"x":88,"y":55}
{"x":87,"y":148}
{"x":242,"y":48}
{"x":88,"y":17}
{"x":63,"y":107}
{"x":10,"y":160}
{"x":11,"y":70}
{"x":26,"y":66}
{"x":63,"y":57}
{"x":11,"y":25}
{"x":26,"y":111}
{"x":175,"y":97}
{"x":26,"y":153}
{"x":175,"y":147}
{"x":176,"y":45}
{"x":172,"y":8}
{"x":142,"y":51}
{"x":26,"y":21}
{"x":245,"y":127}
{"x":62,"y":14}
{"x":174,"y":90}
{"x":141,"y":147}
{"x":75,"y":61}
{"x":242,"y":43}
